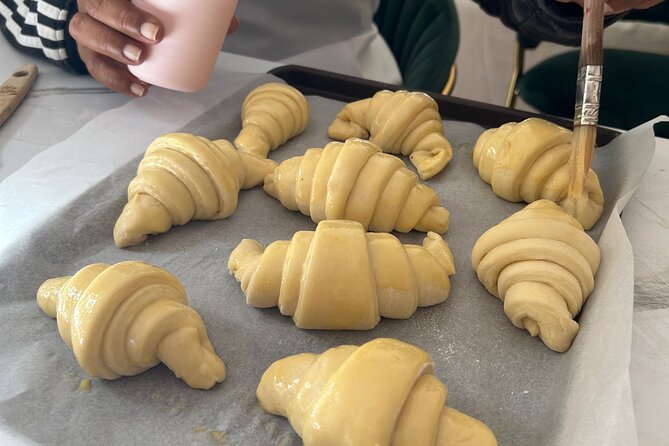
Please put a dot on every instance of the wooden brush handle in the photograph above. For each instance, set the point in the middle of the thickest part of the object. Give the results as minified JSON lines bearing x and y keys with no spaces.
{"x":590,"y":64}
{"x":592,"y":35}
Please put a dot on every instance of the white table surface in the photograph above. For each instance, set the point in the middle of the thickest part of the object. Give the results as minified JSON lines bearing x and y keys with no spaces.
{"x":60,"y":104}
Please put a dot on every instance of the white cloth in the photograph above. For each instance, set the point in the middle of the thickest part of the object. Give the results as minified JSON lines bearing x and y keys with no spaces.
{"x":334,"y":35}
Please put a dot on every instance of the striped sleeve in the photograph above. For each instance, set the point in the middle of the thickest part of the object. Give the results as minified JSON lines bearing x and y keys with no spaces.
{"x":40,"y":28}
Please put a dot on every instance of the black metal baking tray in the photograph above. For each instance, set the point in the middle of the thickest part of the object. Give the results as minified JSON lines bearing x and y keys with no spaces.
{"x":348,"y":88}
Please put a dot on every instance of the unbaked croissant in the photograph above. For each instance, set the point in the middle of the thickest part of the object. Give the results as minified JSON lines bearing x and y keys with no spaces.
{"x":271,"y":115}
{"x":383,"y":392}
{"x":528,"y":161}
{"x":123,"y":319}
{"x":398,"y":122}
{"x":185,"y":177}
{"x":355,"y":181}
{"x":542,"y":265}
{"x":340,"y":277}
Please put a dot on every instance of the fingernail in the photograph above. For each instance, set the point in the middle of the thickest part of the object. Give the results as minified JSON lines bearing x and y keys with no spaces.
{"x":132,"y":52}
{"x":149,"y":30}
{"x":137,"y":90}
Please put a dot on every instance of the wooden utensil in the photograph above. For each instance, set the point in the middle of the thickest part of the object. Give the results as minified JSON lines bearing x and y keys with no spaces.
{"x":14,"y":90}
{"x":586,"y":111}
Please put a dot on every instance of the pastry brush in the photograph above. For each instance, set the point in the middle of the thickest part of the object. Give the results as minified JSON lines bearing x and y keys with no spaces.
{"x":586,"y":110}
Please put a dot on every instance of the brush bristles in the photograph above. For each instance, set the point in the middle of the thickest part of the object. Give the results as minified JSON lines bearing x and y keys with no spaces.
{"x":583,"y":146}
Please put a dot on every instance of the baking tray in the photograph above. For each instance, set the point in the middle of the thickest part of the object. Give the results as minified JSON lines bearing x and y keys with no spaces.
{"x":493,"y":370}
{"x":340,"y":87}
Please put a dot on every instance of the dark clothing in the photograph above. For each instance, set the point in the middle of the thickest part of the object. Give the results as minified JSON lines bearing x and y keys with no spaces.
{"x":40,"y":27}
{"x":537,"y":20}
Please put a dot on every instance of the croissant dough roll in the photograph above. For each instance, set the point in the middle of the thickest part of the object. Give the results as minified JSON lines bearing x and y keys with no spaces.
{"x":542,"y":265}
{"x":271,"y":115}
{"x":382,"y":393}
{"x":528,"y":161}
{"x":355,"y":181}
{"x":398,"y":122}
{"x":340,"y":277}
{"x":123,"y":319}
{"x":185,"y":177}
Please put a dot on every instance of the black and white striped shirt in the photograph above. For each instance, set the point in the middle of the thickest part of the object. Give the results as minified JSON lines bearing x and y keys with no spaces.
{"x":40,"y":28}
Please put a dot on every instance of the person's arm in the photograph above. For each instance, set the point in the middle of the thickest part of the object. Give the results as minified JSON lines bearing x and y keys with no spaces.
{"x":40,"y":28}
{"x":542,"y":20}
{"x":98,"y":37}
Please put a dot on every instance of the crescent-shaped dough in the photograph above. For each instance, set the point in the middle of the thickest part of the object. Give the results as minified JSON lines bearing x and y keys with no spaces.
{"x":542,"y":265}
{"x":398,"y":122}
{"x":184,"y":177}
{"x":271,"y":115}
{"x":381,"y":393}
{"x":355,"y":181}
{"x":340,"y":277}
{"x":528,"y":161}
{"x":123,"y":319}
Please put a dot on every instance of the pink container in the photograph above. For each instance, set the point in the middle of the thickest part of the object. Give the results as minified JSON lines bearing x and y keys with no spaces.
{"x":194,"y":34}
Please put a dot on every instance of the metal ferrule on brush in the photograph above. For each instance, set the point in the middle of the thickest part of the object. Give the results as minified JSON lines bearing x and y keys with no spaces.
{"x":588,"y":84}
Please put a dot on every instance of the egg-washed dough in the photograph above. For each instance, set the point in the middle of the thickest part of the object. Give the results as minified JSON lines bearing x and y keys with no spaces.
{"x":341,"y":278}
{"x":123,"y":319}
{"x":355,"y":181}
{"x":542,"y":265}
{"x":271,"y":115}
{"x":381,"y":393}
{"x":398,"y":122}
{"x":185,"y":177}
{"x":529,"y":160}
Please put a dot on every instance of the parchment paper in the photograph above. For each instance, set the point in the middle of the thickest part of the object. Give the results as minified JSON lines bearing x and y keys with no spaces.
{"x":526,"y":393}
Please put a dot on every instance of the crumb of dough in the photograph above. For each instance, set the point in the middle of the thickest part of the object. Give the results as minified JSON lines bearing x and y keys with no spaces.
{"x":219,"y":436}
{"x":200,"y":428}
{"x":85,"y":385}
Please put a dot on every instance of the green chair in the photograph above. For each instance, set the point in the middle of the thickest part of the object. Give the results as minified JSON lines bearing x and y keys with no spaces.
{"x":635,"y":85}
{"x":424,"y":36}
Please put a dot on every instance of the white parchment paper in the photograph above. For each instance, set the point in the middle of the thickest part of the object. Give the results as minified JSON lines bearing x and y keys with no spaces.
{"x":526,"y":393}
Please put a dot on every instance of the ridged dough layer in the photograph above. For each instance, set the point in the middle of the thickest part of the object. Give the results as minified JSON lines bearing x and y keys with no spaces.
{"x":398,"y":122}
{"x":528,"y":161}
{"x":184,"y":177}
{"x":123,"y":319}
{"x":355,"y":181}
{"x":340,"y":277}
{"x":271,"y":115}
{"x":542,"y":265}
{"x":381,"y":393}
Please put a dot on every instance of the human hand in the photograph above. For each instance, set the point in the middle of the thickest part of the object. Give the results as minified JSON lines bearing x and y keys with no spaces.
{"x":112,"y":34}
{"x":617,"y":6}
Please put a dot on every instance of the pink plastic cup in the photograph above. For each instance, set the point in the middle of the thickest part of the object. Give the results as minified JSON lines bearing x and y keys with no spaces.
{"x":194,"y":33}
